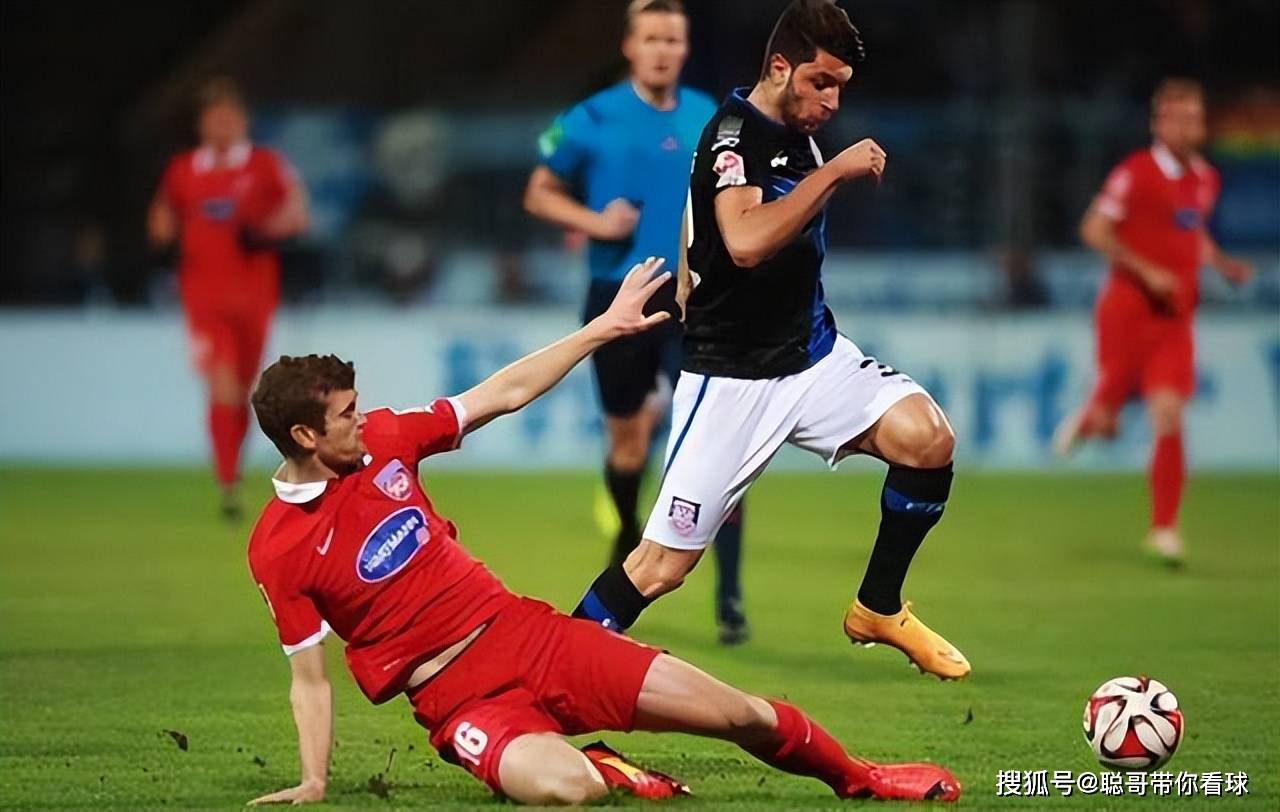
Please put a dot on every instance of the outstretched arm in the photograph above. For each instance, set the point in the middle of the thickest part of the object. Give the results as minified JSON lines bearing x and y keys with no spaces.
{"x":513,"y":387}
{"x":312,"y":699}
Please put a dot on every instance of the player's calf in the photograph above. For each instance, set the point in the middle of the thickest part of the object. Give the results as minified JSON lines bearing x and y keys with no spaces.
{"x":620,"y":593}
{"x":544,"y":769}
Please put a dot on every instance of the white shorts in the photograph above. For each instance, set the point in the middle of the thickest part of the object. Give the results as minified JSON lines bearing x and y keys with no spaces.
{"x":724,"y":432}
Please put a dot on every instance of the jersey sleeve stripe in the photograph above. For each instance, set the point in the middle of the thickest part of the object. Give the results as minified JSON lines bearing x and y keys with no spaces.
{"x":460,"y":412}
{"x":313,"y":640}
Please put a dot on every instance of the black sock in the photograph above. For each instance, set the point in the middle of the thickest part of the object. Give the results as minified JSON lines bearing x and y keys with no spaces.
{"x":728,"y":551}
{"x":910,"y":505}
{"x":624,"y":487}
{"x":612,"y":601}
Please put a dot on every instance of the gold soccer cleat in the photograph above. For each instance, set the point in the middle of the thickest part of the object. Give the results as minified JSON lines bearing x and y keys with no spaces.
{"x":926,"y":649}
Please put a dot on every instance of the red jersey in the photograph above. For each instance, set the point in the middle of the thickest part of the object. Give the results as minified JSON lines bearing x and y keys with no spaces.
{"x":213,"y":203}
{"x":1160,"y":208}
{"x":367,"y":556}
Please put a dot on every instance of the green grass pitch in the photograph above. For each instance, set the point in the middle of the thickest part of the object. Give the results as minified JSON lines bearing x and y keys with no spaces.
{"x":126,"y":611}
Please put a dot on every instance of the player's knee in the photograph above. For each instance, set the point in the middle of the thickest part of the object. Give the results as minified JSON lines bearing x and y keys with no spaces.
{"x":627,"y":456}
{"x":656,"y":571}
{"x":570,"y":787}
{"x":927,"y":445}
{"x":747,"y":715}
{"x":628,"y":446}
{"x":1166,"y":418}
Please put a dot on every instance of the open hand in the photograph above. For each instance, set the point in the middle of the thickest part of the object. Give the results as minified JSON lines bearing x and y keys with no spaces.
{"x":626,"y":315}
{"x":304,"y":793}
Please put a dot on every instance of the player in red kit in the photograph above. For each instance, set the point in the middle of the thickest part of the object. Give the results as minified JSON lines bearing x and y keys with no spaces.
{"x":352,"y":544}
{"x":227,"y":203}
{"x":1149,"y":222}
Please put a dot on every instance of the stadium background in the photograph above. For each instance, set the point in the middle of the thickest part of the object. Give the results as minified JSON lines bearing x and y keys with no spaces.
{"x":413,"y":126}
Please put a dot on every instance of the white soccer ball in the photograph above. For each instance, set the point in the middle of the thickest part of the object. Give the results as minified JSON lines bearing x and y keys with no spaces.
{"x":1132,"y":723}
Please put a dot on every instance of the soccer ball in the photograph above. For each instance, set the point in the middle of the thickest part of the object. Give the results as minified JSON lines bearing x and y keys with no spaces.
{"x":1132,"y":723}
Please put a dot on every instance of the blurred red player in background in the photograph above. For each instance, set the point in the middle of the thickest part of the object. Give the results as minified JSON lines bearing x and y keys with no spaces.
{"x":228,"y":204}
{"x":1149,"y":223}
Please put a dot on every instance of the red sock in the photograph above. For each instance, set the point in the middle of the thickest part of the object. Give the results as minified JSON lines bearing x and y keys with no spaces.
{"x":227,"y":427}
{"x":804,"y":748}
{"x":1168,"y":473}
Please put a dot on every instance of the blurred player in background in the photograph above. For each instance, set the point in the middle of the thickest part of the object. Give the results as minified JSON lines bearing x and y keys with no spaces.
{"x":352,"y":543}
{"x":227,"y":204}
{"x":763,"y":362}
{"x":616,"y":168}
{"x":1149,"y":224}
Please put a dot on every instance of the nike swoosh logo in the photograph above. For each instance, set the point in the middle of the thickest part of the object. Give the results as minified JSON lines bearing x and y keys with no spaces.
{"x":327,"y":541}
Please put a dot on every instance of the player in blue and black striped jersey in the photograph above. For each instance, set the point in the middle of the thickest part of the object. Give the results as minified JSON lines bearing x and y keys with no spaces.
{"x":764,"y":364}
{"x":615,"y":167}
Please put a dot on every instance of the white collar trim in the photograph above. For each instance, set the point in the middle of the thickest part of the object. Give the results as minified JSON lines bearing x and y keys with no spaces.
{"x":237,"y":156}
{"x":1169,"y":165}
{"x":297,"y":493}
{"x":300,"y":493}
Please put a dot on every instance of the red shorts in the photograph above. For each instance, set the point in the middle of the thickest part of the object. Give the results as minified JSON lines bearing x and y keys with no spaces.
{"x":223,"y":335}
{"x":534,"y":670}
{"x":1139,"y":353}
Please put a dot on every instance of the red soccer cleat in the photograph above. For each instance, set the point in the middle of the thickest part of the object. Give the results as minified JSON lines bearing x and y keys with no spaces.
{"x":905,"y":782}
{"x":618,"y":772}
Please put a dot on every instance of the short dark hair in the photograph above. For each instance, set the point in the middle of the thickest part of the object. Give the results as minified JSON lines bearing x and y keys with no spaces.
{"x":1175,"y":88}
{"x":807,"y":25}
{"x":219,"y":90}
{"x":289,"y":394}
{"x":637,"y":7}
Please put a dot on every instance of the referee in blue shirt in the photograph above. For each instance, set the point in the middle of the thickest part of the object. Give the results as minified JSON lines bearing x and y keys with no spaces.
{"x":616,"y":168}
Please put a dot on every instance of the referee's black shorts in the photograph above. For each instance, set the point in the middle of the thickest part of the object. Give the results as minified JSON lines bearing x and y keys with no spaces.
{"x":627,"y":368}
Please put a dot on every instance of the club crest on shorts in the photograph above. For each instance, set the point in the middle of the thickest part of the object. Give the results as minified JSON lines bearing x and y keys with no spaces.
{"x":683,"y":515}
{"x":395,"y":481}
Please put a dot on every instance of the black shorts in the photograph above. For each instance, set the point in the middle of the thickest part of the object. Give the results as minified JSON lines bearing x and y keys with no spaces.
{"x":627,"y":369}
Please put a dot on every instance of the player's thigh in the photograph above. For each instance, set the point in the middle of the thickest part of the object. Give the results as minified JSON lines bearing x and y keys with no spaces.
{"x":1120,"y":353}
{"x":1170,"y":366}
{"x":251,"y":339}
{"x":621,"y":383}
{"x":543,"y":768}
{"x":679,"y":697}
{"x":478,"y":735}
{"x":848,"y":394}
{"x":213,"y":345}
{"x":724,"y":432}
{"x":592,"y":676}
{"x":913,"y":432}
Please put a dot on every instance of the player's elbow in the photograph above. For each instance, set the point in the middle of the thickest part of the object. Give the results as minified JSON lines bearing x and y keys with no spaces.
{"x":532,"y":200}
{"x":745,"y":253}
{"x":1093,"y":231}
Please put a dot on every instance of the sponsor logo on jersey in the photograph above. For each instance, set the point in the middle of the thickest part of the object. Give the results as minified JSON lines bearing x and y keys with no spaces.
{"x":392,"y":545}
{"x":395,"y":481}
{"x":684,"y":515}
{"x":670,"y":144}
{"x":779,"y":160}
{"x":729,"y":167}
{"x":1187,"y":219}
{"x":218,"y":209}
{"x":727,"y":132}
